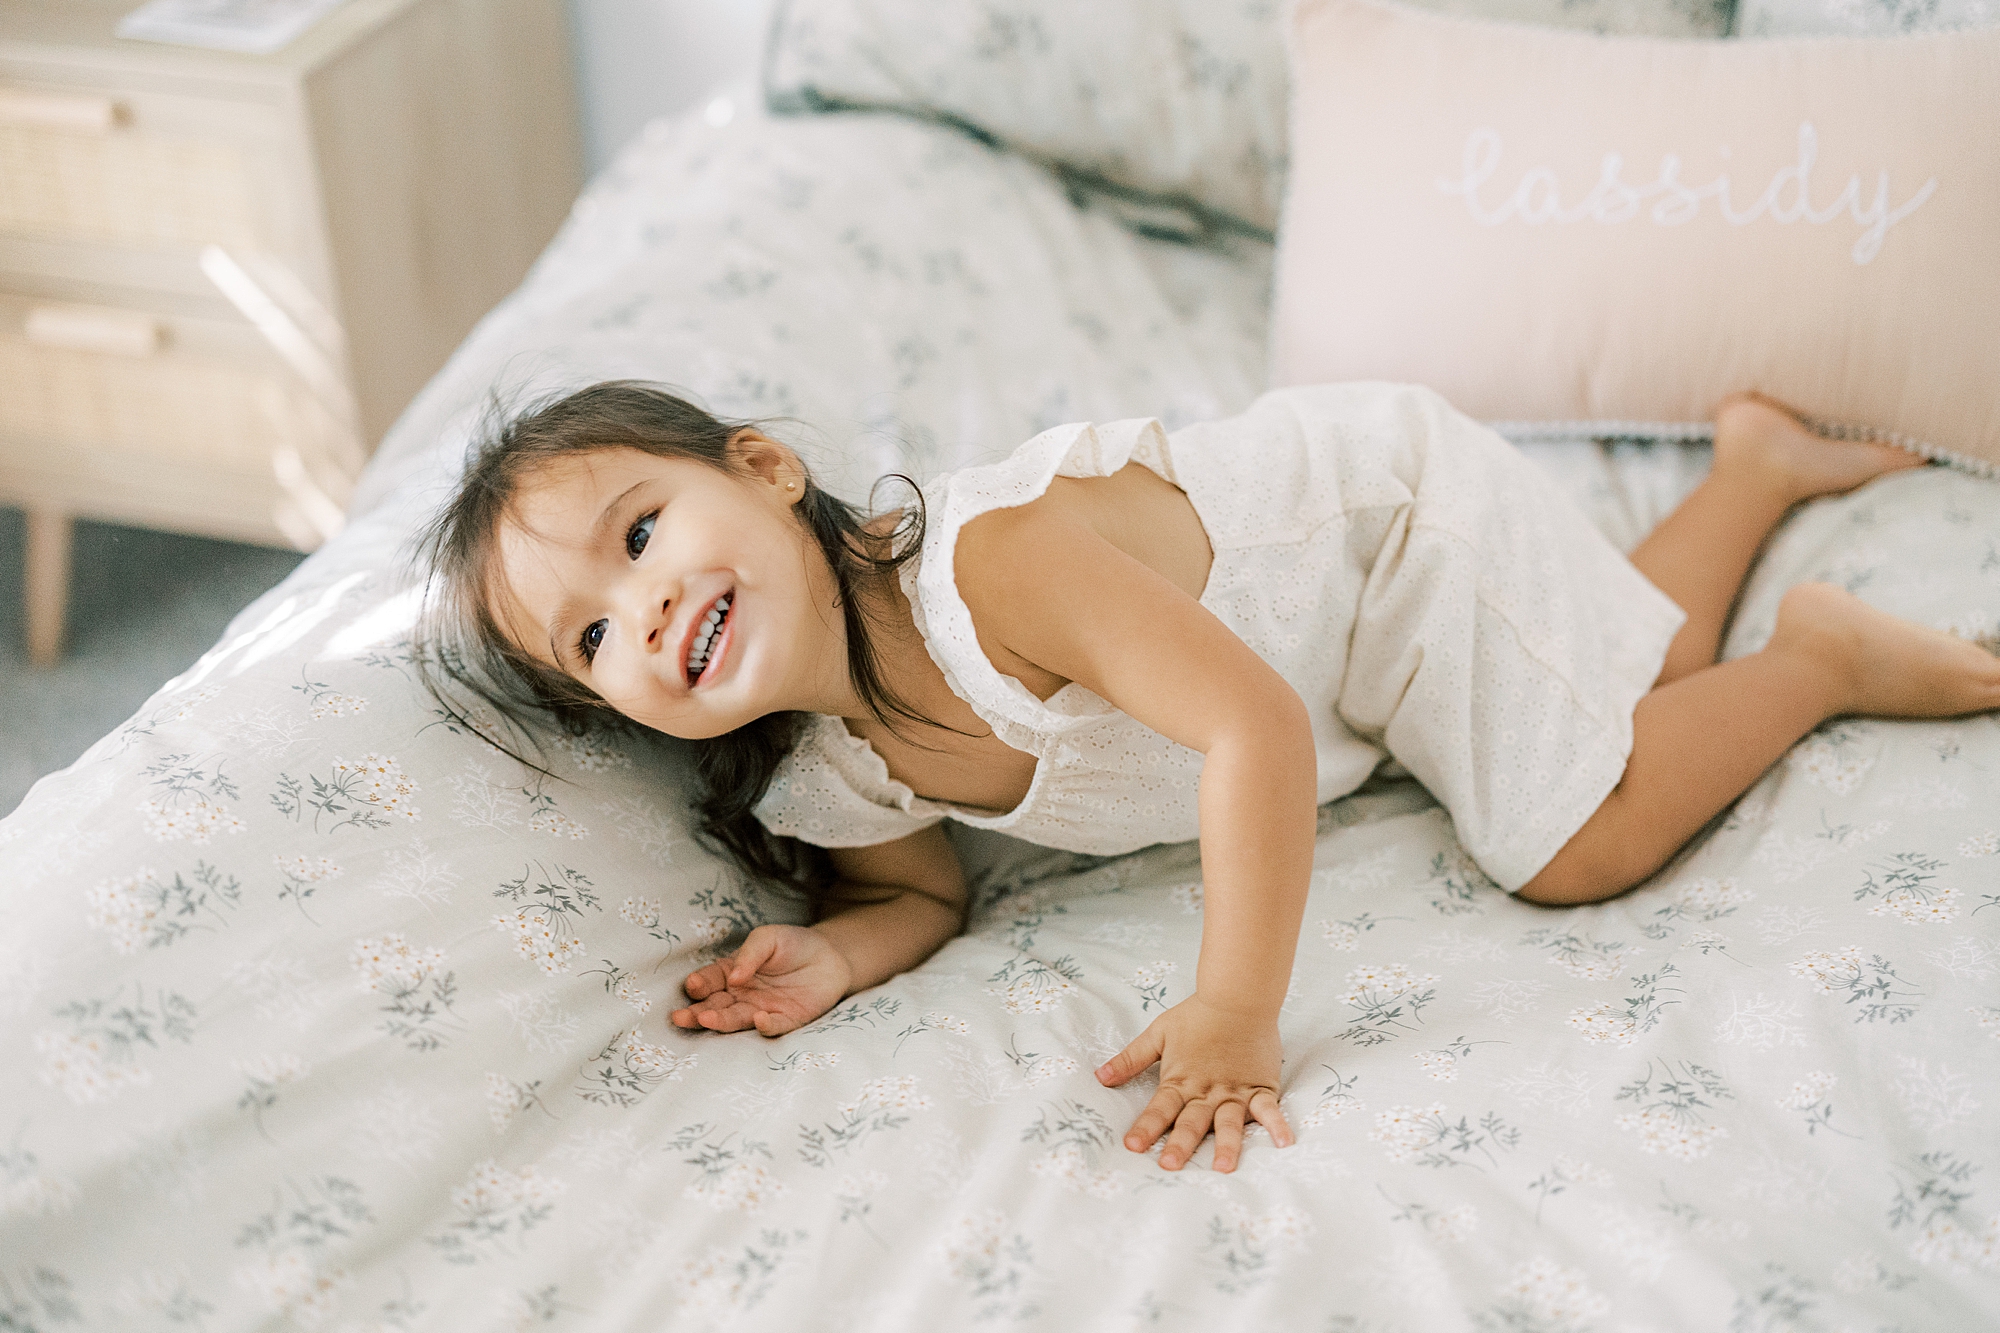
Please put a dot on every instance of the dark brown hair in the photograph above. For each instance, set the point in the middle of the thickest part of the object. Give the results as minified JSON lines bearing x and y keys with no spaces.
{"x":463,"y":646}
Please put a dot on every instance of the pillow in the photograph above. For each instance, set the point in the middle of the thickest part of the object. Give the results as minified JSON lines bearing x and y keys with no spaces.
{"x":1861,"y":18}
{"x":1607,"y":234}
{"x":1177,"y":97}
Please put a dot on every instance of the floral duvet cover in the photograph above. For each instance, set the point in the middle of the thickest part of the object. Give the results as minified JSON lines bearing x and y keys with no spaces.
{"x":321,"y":1014}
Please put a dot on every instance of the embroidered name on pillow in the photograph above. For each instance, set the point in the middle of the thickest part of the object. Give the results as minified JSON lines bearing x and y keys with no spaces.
{"x":1537,"y":197}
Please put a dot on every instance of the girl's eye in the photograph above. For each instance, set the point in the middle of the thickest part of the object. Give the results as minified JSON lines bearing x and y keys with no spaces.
{"x":593,"y":637}
{"x":637,"y":534}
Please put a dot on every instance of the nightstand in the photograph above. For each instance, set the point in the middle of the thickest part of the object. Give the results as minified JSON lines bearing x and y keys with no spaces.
{"x":222,"y":276}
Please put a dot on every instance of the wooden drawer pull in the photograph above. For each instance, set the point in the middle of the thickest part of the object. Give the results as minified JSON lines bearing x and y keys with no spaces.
{"x":90,"y":328}
{"x":59,"y":111}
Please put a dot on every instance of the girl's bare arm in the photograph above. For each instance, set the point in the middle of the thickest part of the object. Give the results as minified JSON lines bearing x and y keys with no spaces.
{"x":1051,"y":596}
{"x":892,"y":907}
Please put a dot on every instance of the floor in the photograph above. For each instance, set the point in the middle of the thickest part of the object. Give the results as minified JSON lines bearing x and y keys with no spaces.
{"x":143,"y":606}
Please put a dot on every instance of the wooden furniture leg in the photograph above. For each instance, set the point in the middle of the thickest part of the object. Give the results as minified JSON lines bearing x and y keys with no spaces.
{"x":46,"y":588}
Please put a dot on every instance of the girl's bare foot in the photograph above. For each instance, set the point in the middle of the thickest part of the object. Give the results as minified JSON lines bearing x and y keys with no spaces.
{"x":1760,"y":437}
{"x":1881,"y":665}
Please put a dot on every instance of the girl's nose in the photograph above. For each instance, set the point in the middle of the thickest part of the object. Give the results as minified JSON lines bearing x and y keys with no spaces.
{"x":650,"y":609}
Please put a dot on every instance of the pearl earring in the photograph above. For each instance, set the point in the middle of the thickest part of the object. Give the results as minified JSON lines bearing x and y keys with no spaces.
{"x":790,"y":487}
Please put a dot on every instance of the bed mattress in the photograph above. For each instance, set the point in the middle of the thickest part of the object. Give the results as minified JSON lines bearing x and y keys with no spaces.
{"x":321,"y":1014}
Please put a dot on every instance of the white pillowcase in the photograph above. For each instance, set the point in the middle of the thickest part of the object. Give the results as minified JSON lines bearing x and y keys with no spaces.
{"x":1861,"y":18}
{"x":1184,"y":98}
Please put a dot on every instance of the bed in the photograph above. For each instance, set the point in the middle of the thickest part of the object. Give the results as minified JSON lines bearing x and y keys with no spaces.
{"x":322,"y":1014}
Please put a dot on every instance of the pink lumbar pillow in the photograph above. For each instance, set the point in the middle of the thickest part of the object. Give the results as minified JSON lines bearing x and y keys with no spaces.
{"x":1610,"y":233}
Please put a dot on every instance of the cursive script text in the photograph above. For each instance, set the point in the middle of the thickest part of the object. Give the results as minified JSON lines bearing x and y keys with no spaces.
{"x":1537,"y":198}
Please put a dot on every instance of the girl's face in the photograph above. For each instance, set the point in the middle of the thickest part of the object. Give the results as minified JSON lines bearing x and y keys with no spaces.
{"x":690,"y":599}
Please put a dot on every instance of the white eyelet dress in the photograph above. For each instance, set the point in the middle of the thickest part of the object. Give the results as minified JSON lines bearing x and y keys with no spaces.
{"x":1429,"y":594}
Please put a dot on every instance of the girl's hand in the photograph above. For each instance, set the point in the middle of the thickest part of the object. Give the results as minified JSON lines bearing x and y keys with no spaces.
{"x":1217,"y":1070}
{"x":782,"y":977}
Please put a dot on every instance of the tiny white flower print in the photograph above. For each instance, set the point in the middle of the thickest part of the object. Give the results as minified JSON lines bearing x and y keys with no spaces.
{"x":1067,"y":1165}
{"x":1544,"y":1296}
{"x":934,"y":1021}
{"x":1812,"y":1096}
{"x":1151,"y":983}
{"x":97,"y":1059}
{"x":1563,"y":1175}
{"x":289,"y":1285}
{"x":1871,"y":983}
{"x":1824,"y":760}
{"x":1905,"y":887}
{"x":1345,"y":936}
{"x":1674,"y":1101}
{"x":1934,"y":1197}
{"x":1244,"y":1246}
{"x":1187,"y":897}
{"x":724,"y":1282}
{"x":982,"y":1251}
{"x":506,"y":1099}
{"x":189,"y":804}
{"x":627,"y":1069}
{"x":1427,"y":1136}
{"x":543,"y":928}
{"x":1984,"y":844}
{"x":1389,"y":999}
{"x":323,"y":701}
{"x":1455,"y":1223}
{"x":1623,"y":1022}
{"x":1988,"y":1019}
{"x":370,"y":792}
{"x":299,"y":878}
{"x":592,"y":753}
{"x":142,"y":911}
{"x":1580,"y":955}
{"x":1333,"y":1101}
{"x":420,"y":990}
{"x":496,"y":1205}
{"x":881,"y":1105}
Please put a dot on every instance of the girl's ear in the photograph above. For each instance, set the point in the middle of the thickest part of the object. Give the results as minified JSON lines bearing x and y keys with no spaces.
{"x":768,"y":463}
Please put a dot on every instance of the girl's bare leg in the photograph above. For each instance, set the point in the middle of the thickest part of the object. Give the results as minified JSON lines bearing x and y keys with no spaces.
{"x":1766,"y":461}
{"x":1699,"y":742}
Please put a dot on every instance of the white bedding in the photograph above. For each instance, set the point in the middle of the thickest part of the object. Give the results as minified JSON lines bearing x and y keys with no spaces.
{"x":321,"y":1015}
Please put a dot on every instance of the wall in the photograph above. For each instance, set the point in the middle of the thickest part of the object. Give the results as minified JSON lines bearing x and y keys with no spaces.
{"x":637,"y":59}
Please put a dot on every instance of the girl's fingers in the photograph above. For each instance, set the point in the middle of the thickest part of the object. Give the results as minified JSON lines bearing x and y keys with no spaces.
{"x":1189,"y":1130}
{"x":1228,"y":1135}
{"x":703,"y":982}
{"x":1264,"y":1109}
{"x":1133,"y":1061}
{"x":756,"y":951}
{"x":1153,"y":1121}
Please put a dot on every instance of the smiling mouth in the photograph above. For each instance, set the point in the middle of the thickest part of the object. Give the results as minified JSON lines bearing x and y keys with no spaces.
{"x":707,"y":637}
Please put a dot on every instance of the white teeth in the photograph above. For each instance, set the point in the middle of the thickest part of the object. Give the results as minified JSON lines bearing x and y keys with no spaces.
{"x":705,"y":635}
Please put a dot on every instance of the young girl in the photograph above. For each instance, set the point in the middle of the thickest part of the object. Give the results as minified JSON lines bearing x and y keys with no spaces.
{"x":1117,"y":637}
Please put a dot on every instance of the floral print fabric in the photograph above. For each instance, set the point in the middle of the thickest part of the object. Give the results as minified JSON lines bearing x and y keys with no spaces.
{"x":1184,"y":99}
{"x":323,"y":1015}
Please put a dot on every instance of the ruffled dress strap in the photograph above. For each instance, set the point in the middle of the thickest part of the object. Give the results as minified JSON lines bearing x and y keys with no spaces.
{"x":931,"y":582}
{"x":833,"y":790}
